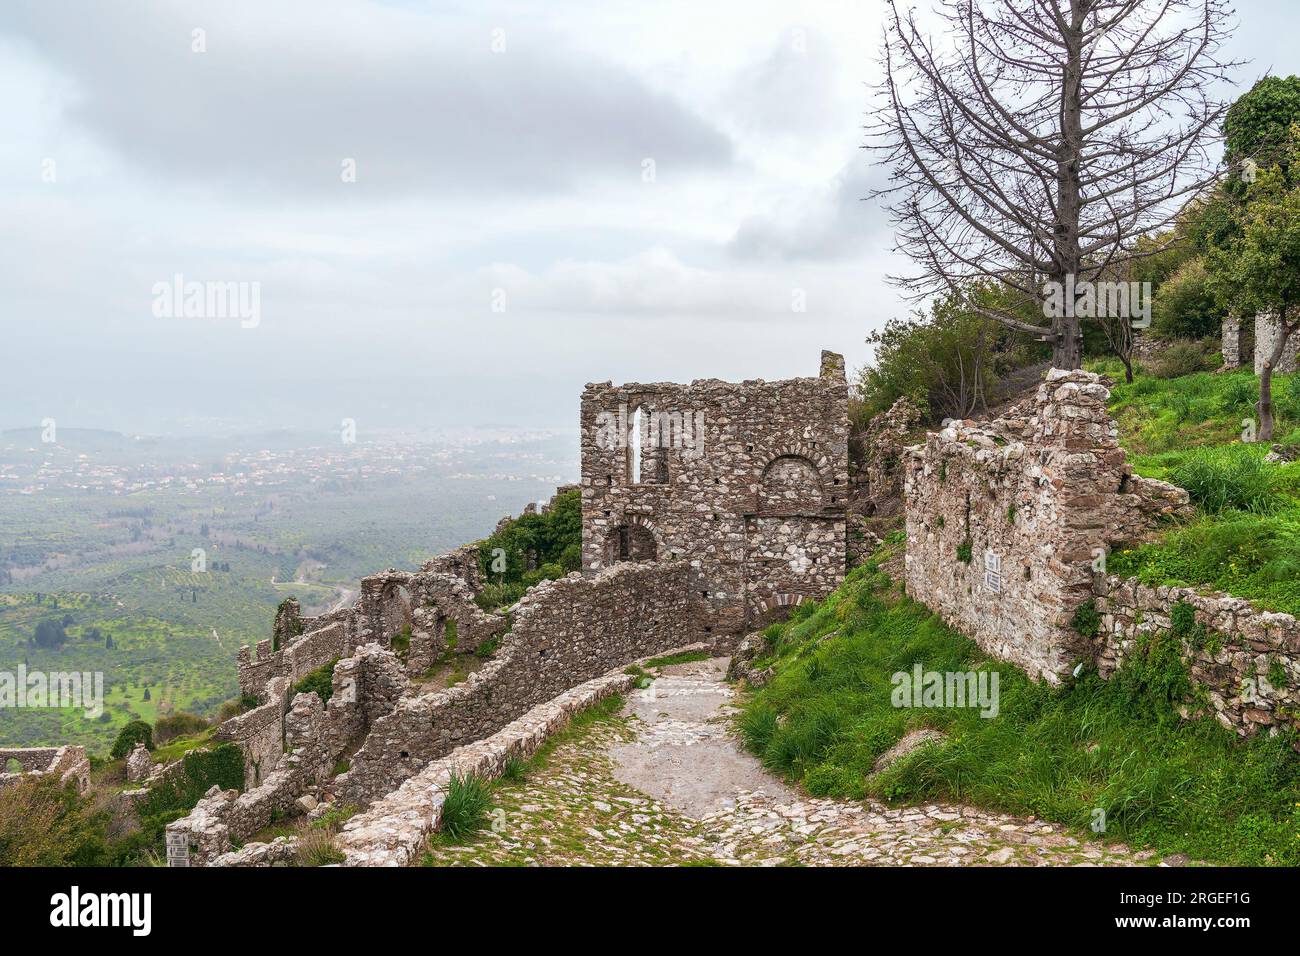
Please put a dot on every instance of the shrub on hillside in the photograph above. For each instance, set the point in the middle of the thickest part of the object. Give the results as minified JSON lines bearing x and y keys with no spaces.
{"x":1228,"y":477}
{"x":137,"y":731}
{"x":43,"y":823}
{"x":1183,"y":357}
{"x":179,"y":724}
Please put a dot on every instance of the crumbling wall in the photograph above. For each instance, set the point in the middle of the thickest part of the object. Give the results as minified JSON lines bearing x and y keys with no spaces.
{"x":365,"y":687}
{"x":69,"y":764}
{"x":259,"y":732}
{"x":310,"y":651}
{"x":745,"y":481}
{"x":1245,"y":661}
{"x":1005,"y":521}
{"x":1237,"y":343}
{"x":876,"y":475}
{"x":565,"y":632}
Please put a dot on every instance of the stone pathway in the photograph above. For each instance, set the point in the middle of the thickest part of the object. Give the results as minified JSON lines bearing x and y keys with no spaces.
{"x":664,"y":783}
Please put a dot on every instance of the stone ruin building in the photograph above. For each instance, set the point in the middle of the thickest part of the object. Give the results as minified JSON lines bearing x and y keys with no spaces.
{"x":707,"y":509}
{"x":732,"y":514}
{"x":1008,"y":526}
{"x":746,"y":482}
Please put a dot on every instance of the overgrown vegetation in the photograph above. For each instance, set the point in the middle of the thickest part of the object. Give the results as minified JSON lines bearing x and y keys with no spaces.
{"x":1246,"y":537}
{"x":465,"y":809}
{"x":136,"y":732}
{"x":1060,"y":754}
{"x":530,"y":549}
{"x":319,"y":682}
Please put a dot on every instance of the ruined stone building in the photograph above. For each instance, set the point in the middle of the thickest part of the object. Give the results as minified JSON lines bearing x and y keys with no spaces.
{"x":745,"y":481}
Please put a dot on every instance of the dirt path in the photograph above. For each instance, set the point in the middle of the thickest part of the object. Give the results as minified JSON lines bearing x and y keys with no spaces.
{"x":665,"y":783}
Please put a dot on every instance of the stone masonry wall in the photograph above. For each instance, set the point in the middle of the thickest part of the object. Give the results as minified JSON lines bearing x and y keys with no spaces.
{"x":1267,"y":329}
{"x":1005,"y":519}
{"x":69,"y":764}
{"x":565,"y":632}
{"x":1237,"y":345}
{"x":394,"y":830}
{"x":1246,"y":661}
{"x":366,"y":686}
{"x":745,"y":481}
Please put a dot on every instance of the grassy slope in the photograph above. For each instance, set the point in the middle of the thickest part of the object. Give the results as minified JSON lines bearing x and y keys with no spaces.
{"x":1176,"y":786}
{"x":1117,"y":745}
{"x":1246,"y":539}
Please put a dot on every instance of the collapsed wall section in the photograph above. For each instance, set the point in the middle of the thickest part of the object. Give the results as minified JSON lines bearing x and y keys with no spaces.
{"x":66,"y":764}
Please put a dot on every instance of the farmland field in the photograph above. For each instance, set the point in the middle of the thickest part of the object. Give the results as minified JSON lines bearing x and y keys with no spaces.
{"x":156,"y":571}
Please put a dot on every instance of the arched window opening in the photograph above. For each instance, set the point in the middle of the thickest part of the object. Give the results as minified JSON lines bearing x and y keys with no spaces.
{"x":630,"y":542}
{"x":790,"y":485}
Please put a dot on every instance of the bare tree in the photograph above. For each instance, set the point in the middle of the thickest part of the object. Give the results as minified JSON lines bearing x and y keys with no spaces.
{"x":1038,"y":139}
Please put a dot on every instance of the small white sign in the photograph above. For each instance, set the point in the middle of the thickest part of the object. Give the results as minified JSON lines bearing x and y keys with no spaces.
{"x":178,"y":849}
{"x":992,"y":572}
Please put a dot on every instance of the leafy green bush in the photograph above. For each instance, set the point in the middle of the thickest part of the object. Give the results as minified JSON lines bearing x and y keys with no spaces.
{"x":319,"y":682}
{"x":552,"y":540}
{"x":1184,"y":307}
{"x":464,"y":812}
{"x":43,"y":823}
{"x":1087,"y":620}
{"x":1229,"y":477}
{"x":1183,"y":357}
{"x":136,"y":732}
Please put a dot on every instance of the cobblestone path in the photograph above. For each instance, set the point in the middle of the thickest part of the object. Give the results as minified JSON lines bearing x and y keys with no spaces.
{"x":665,"y":783}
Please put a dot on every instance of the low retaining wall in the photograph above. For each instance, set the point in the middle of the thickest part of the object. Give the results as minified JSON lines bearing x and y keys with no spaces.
{"x":1247,"y":661}
{"x":565,"y":632}
{"x":393,"y":832}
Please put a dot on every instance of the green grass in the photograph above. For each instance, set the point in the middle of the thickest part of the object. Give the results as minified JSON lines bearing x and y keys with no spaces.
{"x":1175,"y":786}
{"x":464,"y":812}
{"x":1252,"y":556}
{"x":1245,"y":539}
{"x":685,"y":657}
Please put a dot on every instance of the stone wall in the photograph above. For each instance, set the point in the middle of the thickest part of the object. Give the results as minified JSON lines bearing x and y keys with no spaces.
{"x":1246,"y":661}
{"x":259,"y":732}
{"x":68,"y":764}
{"x":293,"y":662}
{"x":745,"y":481}
{"x":366,"y":686}
{"x":1267,"y":329}
{"x":1238,"y":343}
{"x":393,"y":831}
{"x":565,"y":632}
{"x":1005,"y":520}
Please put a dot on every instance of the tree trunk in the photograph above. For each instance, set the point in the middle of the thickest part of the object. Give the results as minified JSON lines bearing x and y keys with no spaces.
{"x":1067,"y":348}
{"x":1265,"y":405}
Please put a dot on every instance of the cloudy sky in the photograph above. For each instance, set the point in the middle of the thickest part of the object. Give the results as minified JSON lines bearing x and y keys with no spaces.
{"x":456,"y":213}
